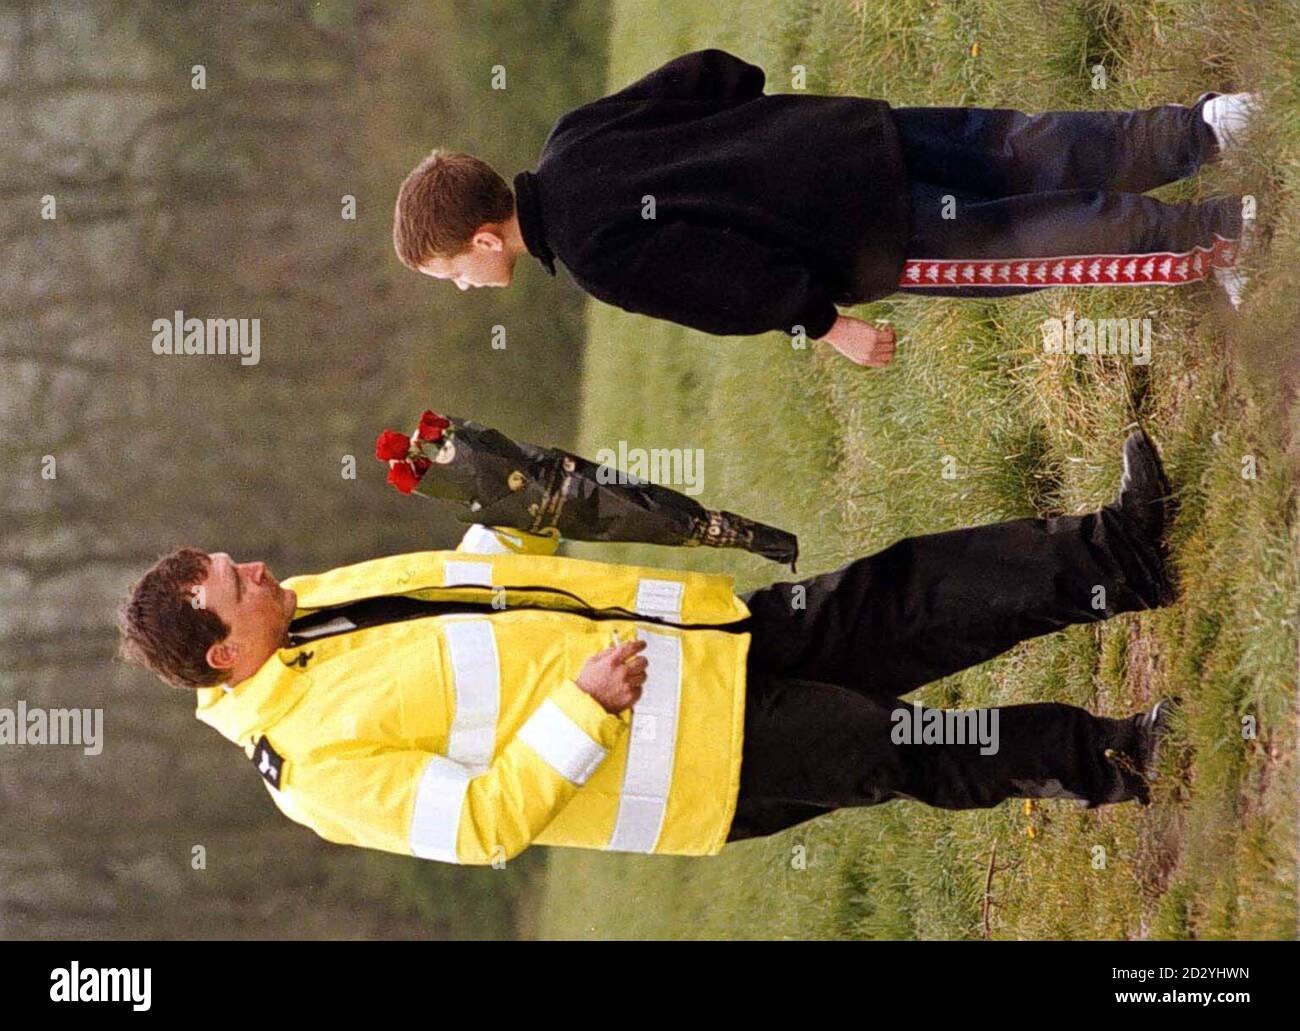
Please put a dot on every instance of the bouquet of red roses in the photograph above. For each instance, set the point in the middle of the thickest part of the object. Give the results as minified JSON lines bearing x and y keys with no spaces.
{"x":497,"y":481}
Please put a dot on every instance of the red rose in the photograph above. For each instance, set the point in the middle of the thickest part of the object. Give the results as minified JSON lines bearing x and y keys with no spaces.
{"x":392,"y":445}
{"x":403,"y":476}
{"x":431,"y":426}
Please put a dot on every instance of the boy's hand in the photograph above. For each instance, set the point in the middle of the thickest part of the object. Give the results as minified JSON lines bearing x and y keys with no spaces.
{"x":615,"y":676}
{"x":861,"y":342}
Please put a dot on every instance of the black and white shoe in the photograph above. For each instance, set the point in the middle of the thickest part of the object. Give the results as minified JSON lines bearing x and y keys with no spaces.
{"x":1145,"y":503}
{"x":1144,"y":492}
{"x":1138,"y":766}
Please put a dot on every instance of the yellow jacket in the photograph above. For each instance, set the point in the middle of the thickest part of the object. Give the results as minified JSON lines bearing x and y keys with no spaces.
{"x":465,"y":738}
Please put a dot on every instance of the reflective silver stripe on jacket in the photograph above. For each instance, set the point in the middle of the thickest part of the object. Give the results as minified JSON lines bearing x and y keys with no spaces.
{"x":563,"y":745}
{"x":439,"y":799}
{"x":651,"y":748}
{"x":476,"y":683}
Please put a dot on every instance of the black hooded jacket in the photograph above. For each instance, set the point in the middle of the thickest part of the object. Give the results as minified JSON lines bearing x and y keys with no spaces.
{"x":768,"y":210}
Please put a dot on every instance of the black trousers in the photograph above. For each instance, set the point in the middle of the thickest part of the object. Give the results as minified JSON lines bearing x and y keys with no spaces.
{"x":1008,"y":203}
{"x":832,"y":656}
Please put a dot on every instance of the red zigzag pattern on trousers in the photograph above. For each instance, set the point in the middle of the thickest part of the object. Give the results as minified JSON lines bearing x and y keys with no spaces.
{"x":1163,"y":268}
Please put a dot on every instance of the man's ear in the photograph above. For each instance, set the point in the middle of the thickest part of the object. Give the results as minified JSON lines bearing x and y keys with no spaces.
{"x":488,"y":237}
{"x":221,"y":655}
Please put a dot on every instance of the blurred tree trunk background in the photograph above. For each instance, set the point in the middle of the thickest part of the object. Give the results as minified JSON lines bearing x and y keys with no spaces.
{"x":227,"y":202}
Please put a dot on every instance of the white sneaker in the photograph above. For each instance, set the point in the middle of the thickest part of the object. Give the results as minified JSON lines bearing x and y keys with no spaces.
{"x":1233,"y":283}
{"x":1234,"y":280}
{"x":1229,"y":115}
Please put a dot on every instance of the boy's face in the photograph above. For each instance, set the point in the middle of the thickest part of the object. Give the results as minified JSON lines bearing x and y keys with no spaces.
{"x":485,"y":262}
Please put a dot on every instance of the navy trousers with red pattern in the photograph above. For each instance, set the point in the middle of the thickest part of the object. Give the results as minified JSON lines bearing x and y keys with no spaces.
{"x":1006,"y":203}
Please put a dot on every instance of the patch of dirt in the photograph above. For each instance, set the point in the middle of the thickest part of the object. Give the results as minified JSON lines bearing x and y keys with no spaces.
{"x":1142,"y":666}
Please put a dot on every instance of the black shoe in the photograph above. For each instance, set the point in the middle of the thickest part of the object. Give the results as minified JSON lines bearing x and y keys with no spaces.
{"x":1145,"y":497}
{"x":1152,"y":727}
{"x":1145,"y":506}
{"x":1137,"y":765}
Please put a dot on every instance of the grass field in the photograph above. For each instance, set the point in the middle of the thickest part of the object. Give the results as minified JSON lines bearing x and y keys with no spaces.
{"x":852,"y":459}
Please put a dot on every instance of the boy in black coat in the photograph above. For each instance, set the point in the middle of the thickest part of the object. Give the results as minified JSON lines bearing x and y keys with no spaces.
{"x":693,"y":196}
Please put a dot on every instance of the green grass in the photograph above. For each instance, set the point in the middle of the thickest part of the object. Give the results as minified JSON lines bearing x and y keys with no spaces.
{"x":851,"y":459}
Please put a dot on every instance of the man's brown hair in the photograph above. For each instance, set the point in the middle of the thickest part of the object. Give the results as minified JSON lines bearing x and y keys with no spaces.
{"x":164,"y":630}
{"x":443,"y":202}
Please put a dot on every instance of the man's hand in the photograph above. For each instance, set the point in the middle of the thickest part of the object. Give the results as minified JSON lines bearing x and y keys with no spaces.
{"x":615,"y":676}
{"x":861,"y":342}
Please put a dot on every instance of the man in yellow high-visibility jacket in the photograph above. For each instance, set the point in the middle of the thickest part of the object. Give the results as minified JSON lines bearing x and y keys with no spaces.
{"x":464,"y":705}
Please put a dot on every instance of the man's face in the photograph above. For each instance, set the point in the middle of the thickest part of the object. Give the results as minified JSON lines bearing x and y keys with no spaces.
{"x":256,"y":608}
{"x":485,"y":262}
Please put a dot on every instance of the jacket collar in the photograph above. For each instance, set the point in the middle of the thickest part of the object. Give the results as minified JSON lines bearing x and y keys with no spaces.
{"x":404,"y":573}
{"x":528,"y":206}
{"x":241,"y":711}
